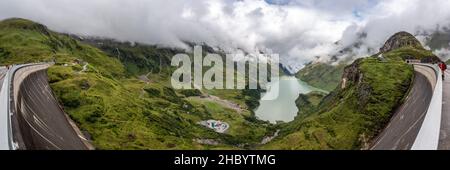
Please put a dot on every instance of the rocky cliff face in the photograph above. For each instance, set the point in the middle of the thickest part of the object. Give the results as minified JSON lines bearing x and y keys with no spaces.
{"x":351,"y":75}
{"x":399,"y":40}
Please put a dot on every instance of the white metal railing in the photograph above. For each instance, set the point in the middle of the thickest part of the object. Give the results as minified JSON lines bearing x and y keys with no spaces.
{"x":4,"y":115}
{"x":428,"y":137}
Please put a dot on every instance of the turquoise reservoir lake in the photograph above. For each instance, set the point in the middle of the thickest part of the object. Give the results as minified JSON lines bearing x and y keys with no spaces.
{"x":283,"y":107}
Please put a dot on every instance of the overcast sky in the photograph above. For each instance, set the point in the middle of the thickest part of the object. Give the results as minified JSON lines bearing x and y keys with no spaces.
{"x":299,"y":30}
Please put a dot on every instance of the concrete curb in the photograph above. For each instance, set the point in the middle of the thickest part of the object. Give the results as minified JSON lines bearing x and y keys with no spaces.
{"x":428,"y":137}
{"x":7,"y":141}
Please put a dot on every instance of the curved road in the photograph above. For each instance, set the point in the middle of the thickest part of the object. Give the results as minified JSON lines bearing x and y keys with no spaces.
{"x":37,"y":122}
{"x":404,"y":126}
{"x":42,"y":122}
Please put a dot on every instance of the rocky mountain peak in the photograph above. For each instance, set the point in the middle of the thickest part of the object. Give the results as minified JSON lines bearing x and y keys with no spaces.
{"x":399,"y":40}
{"x":24,"y":24}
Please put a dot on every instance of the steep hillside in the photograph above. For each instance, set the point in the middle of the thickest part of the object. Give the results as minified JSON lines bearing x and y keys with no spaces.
{"x":322,"y":75}
{"x":143,"y":60}
{"x":23,"y":41}
{"x":402,"y":45}
{"x":137,"y":58}
{"x":106,"y":95}
{"x":309,"y":103}
{"x":350,"y":116}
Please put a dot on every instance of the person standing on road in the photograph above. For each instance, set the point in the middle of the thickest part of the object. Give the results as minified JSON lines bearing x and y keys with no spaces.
{"x":443,"y":67}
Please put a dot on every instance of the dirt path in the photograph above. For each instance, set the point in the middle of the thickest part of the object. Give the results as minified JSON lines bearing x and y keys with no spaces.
{"x":222,"y":102}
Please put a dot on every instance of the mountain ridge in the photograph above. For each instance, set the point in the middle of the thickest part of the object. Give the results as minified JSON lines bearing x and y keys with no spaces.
{"x":369,"y":91}
{"x":104,"y":96}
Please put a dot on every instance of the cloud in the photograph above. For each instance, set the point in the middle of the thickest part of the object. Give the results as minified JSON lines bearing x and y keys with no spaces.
{"x":390,"y":17}
{"x":420,"y":18}
{"x":443,"y":54}
{"x":299,"y":30}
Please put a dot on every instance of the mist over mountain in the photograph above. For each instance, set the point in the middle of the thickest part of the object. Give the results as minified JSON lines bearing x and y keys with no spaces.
{"x":300,"y":31}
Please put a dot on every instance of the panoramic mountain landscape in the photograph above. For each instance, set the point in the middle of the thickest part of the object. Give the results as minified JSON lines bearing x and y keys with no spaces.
{"x":360,"y":81}
{"x":117,"y":93}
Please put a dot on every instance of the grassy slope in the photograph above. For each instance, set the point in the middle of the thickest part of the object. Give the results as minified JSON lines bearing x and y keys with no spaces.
{"x":439,"y":40}
{"x":309,"y":103}
{"x":401,"y":53}
{"x":321,"y":75}
{"x":141,"y":59}
{"x":137,"y":58}
{"x":348,"y":118}
{"x":116,"y":109}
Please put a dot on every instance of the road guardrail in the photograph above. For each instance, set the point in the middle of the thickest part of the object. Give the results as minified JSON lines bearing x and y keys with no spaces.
{"x":7,"y":140}
{"x":428,"y":136}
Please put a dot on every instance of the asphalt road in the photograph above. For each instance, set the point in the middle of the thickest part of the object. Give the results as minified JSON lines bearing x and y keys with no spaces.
{"x":444,"y":136}
{"x":42,"y":122}
{"x":404,"y":126}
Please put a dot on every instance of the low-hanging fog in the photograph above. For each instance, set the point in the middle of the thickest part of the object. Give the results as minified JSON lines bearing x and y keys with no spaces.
{"x":300,"y":31}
